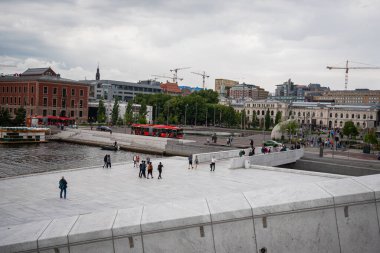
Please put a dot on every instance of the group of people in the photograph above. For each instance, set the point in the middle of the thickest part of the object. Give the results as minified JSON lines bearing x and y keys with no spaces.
{"x":191,"y":162}
{"x":146,"y":165}
{"x":107,"y":161}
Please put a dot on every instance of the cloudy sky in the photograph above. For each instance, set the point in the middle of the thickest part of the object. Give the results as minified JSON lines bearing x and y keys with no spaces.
{"x":262,"y":42}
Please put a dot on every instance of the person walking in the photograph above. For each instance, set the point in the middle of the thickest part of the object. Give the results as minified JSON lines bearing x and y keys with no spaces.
{"x":190,"y":161}
{"x":251,"y":144}
{"x":134,"y":161}
{"x":196,"y":161}
{"x":63,"y":187}
{"x":105,"y":161}
{"x":213,"y":160}
{"x":142,"y":169}
{"x":159,"y":168}
{"x":150,"y":170}
{"x":147,"y":159}
{"x":108,"y":161}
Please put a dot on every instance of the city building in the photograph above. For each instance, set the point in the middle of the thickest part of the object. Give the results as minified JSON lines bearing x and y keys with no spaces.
{"x":290,"y":92}
{"x":358,"y":96}
{"x":124,"y":91}
{"x":260,"y":107}
{"x":244,"y":91}
{"x":222,"y":86}
{"x":43,"y":92}
{"x":334,"y":116}
{"x":314,"y":114}
{"x":170,"y":88}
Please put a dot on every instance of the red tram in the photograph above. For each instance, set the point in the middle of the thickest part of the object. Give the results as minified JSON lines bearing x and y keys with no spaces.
{"x":164,"y":131}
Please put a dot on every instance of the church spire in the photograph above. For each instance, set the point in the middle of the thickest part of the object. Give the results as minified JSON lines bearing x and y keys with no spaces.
{"x":97,"y":73}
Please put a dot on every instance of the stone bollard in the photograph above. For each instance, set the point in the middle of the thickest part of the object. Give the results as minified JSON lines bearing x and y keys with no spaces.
{"x":247,"y":164}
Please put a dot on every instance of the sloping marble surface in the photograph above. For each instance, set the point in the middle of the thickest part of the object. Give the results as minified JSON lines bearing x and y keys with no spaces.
{"x":175,"y":214}
{"x":21,"y":237}
{"x":128,"y":221}
{"x":372,"y":182}
{"x":231,"y":206}
{"x":56,"y":232}
{"x":347,"y":191}
{"x":289,"y":198}
{"x":92,"y":226}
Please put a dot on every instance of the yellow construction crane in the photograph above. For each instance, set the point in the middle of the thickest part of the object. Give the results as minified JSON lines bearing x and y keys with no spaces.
{"x":347,"y":68}
{"x":175,"y":76}
{"x":204,"y":76}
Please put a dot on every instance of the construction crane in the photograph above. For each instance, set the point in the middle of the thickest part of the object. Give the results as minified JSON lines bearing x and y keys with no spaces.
{"x":169,"y":77}
{"x":175,"y":76}
{"x":347,"y":68}
{"x":203,"y":75}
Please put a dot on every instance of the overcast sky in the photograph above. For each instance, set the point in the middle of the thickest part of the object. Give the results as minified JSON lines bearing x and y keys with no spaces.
{"x":252,"y":41}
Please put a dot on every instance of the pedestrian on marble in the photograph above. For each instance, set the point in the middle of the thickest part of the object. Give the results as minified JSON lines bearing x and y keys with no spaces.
{"x":105,"y":161}
{"x":134,"y":161}
{"x":251,"y":144}
{"x":147,"y":159}
{"x":159,"y":168}
{"x":63,"y":187}
{"x":150,"y":170}
{"x":190,"y":161}
{"x":212,"y":165}
{"x":196,"y":161}
{"x":108,"y":161}
{"x":142,"y":169}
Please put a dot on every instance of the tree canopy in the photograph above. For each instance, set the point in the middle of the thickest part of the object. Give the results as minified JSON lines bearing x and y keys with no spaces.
{"x":349,"y":129}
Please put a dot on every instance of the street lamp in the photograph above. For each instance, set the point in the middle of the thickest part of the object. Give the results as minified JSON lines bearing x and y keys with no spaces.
{"x":167,"y":117}
{"x":206,"y":115}
{"x":196,"y":112}
{"x":214,"y":114}
{"x":185,"y":112}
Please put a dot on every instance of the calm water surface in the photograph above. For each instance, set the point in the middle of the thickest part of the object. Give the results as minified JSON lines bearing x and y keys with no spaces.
{"x":33,"y":158}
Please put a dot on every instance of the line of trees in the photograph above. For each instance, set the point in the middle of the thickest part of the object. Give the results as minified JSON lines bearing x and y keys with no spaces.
{"x":6,"y":120}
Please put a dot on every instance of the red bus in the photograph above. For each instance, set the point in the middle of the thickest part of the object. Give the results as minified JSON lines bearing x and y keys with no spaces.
{"x":164,"y":131}
{"x":50,"y":121}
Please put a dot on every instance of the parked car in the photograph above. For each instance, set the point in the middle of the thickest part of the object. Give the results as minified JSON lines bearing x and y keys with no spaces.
{"x":104,"y":128}
{"x":272,"y":143}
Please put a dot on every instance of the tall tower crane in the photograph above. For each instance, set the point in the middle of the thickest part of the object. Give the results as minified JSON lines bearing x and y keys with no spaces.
{"x":347,"y":68}
{"x":204,"y":76}
{"x":169,"y":77}
{"x":175,"y":76}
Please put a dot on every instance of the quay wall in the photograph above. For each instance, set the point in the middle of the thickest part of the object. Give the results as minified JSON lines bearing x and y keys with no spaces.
{"x":332,"y":216}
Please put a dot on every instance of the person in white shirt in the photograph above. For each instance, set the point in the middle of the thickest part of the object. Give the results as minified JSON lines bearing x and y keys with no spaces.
{"x":212,"y":165}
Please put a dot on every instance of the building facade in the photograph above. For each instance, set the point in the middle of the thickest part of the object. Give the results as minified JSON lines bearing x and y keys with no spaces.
{"x":243,"y":91}
{"x":290,"y":92}
{"x":43,"y":92}
{"x":223,"y":86}
{"x":358,"y":96}
{"x":321,"y":115}
{"x":170,"y":89}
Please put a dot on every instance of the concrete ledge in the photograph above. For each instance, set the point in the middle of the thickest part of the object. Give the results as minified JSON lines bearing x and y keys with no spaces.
{"x":333,"y":216}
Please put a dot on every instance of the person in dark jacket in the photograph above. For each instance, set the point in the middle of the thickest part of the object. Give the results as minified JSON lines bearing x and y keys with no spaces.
{"x":63,"y":187}
{"x":105,"y":161}
{"x":142,"y":169}
{"x":159,"y":168}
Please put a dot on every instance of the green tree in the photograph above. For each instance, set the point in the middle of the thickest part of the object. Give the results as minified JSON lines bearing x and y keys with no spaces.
{"x":19,"y":120}
{"x":128,"y":116}
{"x":5,"y":117}
{"x":370,"y":137}
{"x":255,"y":121}
{"x":210,"y":96}
{"x":101,"y":117}
{"x":349,"y":129}
{"x":115,"y":112}
{"x":267,"y":120}
{"x":278,"y":117}
{"x":142,"y":113}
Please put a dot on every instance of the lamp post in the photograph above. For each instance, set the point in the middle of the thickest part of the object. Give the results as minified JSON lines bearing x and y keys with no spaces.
{"x":196,"y":112}
{"x":167,"y":117}
{"x":214,"y":114}
{"x":185,"y":112}
{"x":206,"y":116}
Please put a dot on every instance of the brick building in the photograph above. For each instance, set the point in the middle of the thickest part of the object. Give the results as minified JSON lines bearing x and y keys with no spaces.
{"x":170,"y":88}
{"x":223,"y":86}
{"x":243,"y":91}
{"x":43,"y":92}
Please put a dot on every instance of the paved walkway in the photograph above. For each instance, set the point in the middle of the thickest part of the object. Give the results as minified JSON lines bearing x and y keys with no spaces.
{"x":36,"y":197}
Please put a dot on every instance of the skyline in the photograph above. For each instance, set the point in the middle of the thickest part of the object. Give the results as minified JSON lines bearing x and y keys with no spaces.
{"x":258,"y":42}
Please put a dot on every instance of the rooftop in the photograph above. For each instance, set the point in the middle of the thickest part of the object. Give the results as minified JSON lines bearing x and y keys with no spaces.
{"x":36,"y":197}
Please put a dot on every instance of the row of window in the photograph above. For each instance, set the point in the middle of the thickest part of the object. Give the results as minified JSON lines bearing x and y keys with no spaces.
{"x":54,"y":113}
{"x":17,"y":101}
{"x":262,"y":105}
{"x":64,"y":91}
{"x":347,"y":116}
{"x":24,"y":89}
